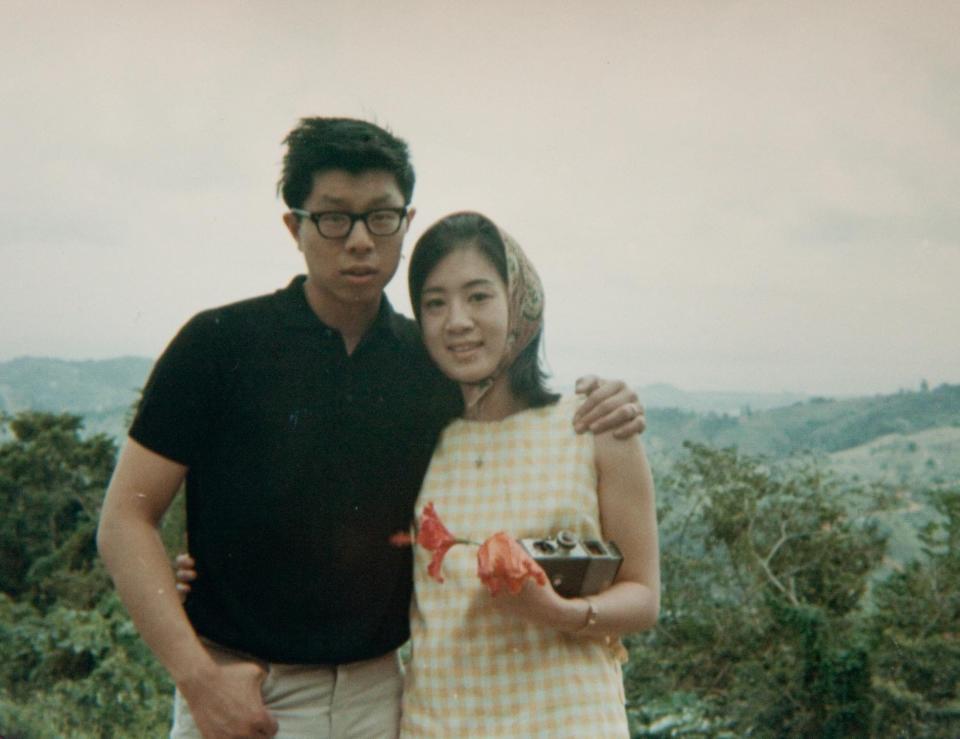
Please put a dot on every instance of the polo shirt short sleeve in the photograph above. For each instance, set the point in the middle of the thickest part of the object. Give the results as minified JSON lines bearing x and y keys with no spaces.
{"x":179,"y":400}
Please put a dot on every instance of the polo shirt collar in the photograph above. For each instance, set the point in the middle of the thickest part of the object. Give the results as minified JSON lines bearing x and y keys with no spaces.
{"x":297,"y":312}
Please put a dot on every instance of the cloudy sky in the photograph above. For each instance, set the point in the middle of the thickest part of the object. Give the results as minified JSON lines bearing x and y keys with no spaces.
{"x":721,"y":195}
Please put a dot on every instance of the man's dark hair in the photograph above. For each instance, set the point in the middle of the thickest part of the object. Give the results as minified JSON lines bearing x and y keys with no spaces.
{"x":318,"y":145}
{"x":473,"y":230}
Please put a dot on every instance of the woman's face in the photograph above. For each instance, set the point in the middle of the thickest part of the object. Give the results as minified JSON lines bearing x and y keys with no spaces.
{"x":464,"y":316}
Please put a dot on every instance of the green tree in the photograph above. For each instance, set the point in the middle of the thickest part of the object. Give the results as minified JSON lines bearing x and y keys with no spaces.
{"x":916,"y":633}
{"x":71,"y":663}
{"x":764,"y":571}
{"x":51,"y":485}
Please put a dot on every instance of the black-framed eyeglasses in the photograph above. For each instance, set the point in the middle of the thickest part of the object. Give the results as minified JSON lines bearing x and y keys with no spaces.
{"x":336,"y":224}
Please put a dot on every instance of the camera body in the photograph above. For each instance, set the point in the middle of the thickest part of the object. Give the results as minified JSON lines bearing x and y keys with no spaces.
{"x":575,"y":567}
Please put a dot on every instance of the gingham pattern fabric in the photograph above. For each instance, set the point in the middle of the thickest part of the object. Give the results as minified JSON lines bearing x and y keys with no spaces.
{"x":476,"y":672}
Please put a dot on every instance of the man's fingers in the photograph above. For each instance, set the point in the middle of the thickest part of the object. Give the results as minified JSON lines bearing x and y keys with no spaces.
{"x":272,"y":727}
{"x":183,"y":591}
{"x":587,"y":384}
{"x":267,"y":726}
{"x":185,"y":572}
{"x":603,"y":397}
{"x":603,"y":402}
{"x":635,"y":426}
{"x":622,"y":418}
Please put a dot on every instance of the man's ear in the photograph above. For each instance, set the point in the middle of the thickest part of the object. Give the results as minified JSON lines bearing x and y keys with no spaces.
{"x":411,"y":212}
{"x":292,"y":222}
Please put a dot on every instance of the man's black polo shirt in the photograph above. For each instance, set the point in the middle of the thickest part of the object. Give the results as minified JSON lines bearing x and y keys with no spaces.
{"x":302,"y":462}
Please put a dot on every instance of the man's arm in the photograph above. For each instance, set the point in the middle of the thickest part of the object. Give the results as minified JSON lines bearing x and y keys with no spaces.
{"x":224,"y":701}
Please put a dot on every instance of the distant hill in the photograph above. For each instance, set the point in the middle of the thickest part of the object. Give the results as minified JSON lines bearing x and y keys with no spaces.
{"x":102,"y":391}
{"x":930,"y":457}
{"x":912,"y":464}
{"x":820,"y":424}
{"x":663,"y":395}
{"x":910,"y":440}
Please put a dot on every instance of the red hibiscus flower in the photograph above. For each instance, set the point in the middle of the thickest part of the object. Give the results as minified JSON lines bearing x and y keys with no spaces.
{"x":503,"y":564}
{"x":434,"y":537}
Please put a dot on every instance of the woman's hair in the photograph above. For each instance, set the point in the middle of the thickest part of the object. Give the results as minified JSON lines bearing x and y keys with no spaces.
{"x":472,"y":230}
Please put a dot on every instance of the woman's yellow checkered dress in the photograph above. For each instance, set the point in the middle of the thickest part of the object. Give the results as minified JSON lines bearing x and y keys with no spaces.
{"x":476,"y":672}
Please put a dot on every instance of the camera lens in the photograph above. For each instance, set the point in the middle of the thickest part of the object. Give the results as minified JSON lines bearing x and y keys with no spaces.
{"x":595,"y":548}
{"x":545,"y":545}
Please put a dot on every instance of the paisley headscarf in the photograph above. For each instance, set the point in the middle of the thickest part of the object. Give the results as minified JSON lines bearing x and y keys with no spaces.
{"x":524,"y":314}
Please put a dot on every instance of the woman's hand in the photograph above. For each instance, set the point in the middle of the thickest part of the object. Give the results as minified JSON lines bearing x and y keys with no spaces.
{"x":541,"y":605}
{"x":185,"y":574}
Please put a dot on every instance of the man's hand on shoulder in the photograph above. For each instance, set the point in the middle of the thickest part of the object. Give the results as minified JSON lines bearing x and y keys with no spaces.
{"x":609,"y":404}
{"x":226,"y":702}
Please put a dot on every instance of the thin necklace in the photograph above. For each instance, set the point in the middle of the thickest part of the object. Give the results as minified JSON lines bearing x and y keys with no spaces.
{"x":476,"y":410}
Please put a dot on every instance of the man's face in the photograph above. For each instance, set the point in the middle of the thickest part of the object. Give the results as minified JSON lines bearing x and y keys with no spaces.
{"x":353,"y":270}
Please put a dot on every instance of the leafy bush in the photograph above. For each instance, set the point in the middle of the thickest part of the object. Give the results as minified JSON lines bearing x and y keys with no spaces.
{"x":916,"y":633}
{"x":764,"y":572}
{"x":71,"y":663}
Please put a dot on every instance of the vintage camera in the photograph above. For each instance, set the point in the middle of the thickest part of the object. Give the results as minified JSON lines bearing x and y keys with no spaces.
{"x":575,"y":567}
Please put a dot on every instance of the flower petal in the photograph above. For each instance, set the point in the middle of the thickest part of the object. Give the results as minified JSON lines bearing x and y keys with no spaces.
{"x":433,"y":533}
{"x":402,"y":539}
{"x":436,"y":562}
{"x":503,"y":564}
{"x":434,"y":537}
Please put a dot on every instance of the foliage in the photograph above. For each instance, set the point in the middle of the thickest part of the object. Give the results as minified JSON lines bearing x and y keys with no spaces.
{"x":782,"y":614}
{"x":916,"y":633}
{"x":675,"y":714}
{"x":78,"y":673}
{"x":765,"y":576}
{"x":71,"y":663}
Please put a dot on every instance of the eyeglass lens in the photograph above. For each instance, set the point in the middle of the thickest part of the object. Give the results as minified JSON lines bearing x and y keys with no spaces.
{"x":378,"y":222}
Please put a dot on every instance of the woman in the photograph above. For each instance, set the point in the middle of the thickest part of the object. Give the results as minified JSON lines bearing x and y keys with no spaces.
{"x":535,"y":663}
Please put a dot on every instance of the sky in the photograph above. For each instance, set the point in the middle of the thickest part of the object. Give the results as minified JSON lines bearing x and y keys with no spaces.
{"x":742,"y":196}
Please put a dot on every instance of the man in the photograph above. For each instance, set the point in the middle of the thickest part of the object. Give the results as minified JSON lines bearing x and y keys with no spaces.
{"x":302,"y":422}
